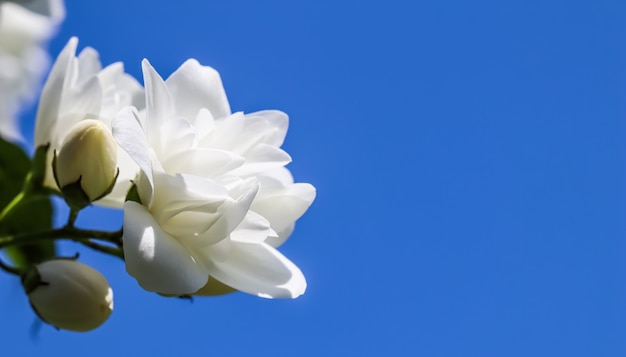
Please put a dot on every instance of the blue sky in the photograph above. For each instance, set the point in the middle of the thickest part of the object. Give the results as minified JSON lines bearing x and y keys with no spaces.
{"x":470,"y":164}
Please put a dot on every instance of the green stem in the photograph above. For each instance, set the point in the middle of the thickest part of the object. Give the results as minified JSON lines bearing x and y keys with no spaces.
{"x":72,"y":218}
{"x":118,"y":252}
{"x":10,"y":269}
{"x":70,"y":233}
{"x":21,"y":198}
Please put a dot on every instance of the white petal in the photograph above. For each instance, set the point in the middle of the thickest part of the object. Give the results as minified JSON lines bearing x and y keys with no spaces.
{"x":194,"y":87}
{"x":51,"y":95}
{"x":128,"y":171}
{"x":204,"y":123}
{"x":283,"y":206}
{"x":119,"y":90}
{"x":276,"y":178}
{"x":208,"y":163}
{"x":52,"y":9}
{"x":261,"y":270}
{"x":276,"y":124}
{"x":199,"y":209}
{"x":159,"y":105}
{"x":261,"y":158}
{"x":253,"y":229}
{"x":88,"y":64}
{"x":157,"y":260}
{"x":219,"y":251}
{"x":226,"y":132}
{"x":281,"y":236}
{"x":177,"y":135}
{"x":83,"y":99}
{"x":129,"y":135}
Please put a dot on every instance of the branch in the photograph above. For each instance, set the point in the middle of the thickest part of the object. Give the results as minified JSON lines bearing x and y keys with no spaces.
{"x":71,"y":233}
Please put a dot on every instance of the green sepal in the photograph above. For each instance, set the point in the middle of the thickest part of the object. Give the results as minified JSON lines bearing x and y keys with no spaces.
{"x":133,"y":194}
{"x":31,"y":280}
{"x":74,"y":194}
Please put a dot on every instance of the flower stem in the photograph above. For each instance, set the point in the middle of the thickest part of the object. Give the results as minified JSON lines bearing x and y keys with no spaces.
{"x":16,"y":202}
{"x":71,"y":233}
{"x":117,"y":252}
{"x":72,"y":218}
{"x":9,"y":269}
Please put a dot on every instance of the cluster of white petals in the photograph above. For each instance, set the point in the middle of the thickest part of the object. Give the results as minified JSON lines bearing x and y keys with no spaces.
{"x":78,"y":88}
{"x":25,"y":28}
{"x":216,"y":199}
{"x":206,"y":194}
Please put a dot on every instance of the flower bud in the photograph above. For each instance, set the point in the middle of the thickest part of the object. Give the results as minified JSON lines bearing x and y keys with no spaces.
{"x":69,"y":295}
{"x":85,"y":168}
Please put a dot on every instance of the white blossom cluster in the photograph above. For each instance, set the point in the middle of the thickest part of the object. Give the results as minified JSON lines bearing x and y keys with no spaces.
{"x":210,"y":197}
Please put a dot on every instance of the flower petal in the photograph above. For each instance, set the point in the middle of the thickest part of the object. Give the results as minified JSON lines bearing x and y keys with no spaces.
{"x":51,"y":94}
{"x":194,"y":87}
{"x":177,"y":135}
{"x":208,"y":163}
{"x":159,"y":105}
{"x":128,"y":171}
{"x":129,"y":135}
{"x":157,"y":260}
{"x":283,"y":206}
{"x":198,"y":209}
{"x":253,"y":229}
{"x":261,"y":270}
{"x":275,"y":125}
{"x":53,"y":9}
{"x":88,"y":64}
{"x":261,"y":158}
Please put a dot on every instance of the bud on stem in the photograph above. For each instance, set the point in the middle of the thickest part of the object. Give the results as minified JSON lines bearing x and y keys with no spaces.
{"x":85,"y":168}
{"x":69,"y":295}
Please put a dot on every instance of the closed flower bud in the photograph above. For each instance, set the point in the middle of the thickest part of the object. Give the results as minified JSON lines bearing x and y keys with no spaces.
{"x":85,"y":168}
{"x":69,"y":295}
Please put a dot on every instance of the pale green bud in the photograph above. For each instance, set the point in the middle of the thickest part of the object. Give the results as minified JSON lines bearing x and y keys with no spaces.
{"x":85,"y":168}
{"x":69,"y":295}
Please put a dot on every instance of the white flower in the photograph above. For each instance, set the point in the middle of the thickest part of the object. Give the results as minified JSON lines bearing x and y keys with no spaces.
{"x":172,"y":240}
{"x":25,"y":28}
{"x":198,"y":95}
{"x":188,"y":128}
{"x":85,"y":168}
{"x":78,"y":88}
{"x":69,"y":295}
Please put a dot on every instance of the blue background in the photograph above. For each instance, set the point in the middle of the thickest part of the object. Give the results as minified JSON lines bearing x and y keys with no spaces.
{"x":469,"y":158}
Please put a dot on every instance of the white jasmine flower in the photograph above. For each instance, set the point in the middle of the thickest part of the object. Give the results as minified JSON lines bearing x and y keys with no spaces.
{"x":197,"y":94}
{"x":78,"y":88}
{"x":188,"y":128}
{"x":25,"y":28}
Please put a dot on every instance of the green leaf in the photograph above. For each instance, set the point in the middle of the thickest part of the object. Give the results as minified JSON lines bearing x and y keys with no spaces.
{"x":32,"y":216}
{"x":14,"y":165}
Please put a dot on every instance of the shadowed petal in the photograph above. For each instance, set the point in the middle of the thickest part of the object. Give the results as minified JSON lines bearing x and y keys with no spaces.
{"x":261,"y":270}
{"x":157,"y":260}
{"x":130,"y":136}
